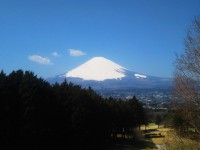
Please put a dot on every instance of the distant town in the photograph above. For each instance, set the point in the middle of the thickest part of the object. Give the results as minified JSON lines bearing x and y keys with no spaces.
{"x":154,"y":99}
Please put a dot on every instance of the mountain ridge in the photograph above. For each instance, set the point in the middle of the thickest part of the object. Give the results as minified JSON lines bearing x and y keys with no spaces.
{"x":107,"y":69}
{"x":101,"y":73}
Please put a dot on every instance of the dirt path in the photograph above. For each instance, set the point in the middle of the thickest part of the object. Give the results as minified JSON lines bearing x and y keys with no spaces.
{"x":161,"y":147}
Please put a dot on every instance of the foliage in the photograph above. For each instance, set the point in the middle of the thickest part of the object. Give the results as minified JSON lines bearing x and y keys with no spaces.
{"x":33,"y":112}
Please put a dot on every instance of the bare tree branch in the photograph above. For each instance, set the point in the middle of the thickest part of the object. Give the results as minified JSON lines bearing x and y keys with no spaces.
{"x":187,"y":75}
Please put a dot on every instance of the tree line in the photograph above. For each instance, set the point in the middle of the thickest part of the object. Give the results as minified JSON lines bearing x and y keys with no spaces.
{"x":36,"y":114}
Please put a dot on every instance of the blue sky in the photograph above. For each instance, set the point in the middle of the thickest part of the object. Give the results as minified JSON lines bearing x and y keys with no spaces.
{"x":51,"y":37}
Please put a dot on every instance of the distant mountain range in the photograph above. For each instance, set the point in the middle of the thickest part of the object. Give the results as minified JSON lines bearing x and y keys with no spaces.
{"x":103,"y":74}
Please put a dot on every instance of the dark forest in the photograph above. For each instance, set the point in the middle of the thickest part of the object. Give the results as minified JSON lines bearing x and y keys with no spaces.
{"x":35,"y":114}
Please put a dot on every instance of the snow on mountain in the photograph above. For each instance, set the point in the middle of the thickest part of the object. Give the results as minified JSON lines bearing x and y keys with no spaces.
{"x":98,"y":69}
{"x":140,"y":76}
{"x":103,"y":75}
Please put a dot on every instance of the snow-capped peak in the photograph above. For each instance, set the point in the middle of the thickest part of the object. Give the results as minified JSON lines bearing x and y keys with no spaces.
{"x":140,"y":76}
{"x":99,"y":69}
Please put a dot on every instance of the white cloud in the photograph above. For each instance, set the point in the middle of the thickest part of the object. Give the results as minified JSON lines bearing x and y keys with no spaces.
{"x":40,"y":59}
{"x":55,"y":54}
{"x":74,"y":52}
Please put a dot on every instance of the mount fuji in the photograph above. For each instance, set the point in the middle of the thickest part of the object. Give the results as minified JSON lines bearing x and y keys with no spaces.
{"x":103,"y":74}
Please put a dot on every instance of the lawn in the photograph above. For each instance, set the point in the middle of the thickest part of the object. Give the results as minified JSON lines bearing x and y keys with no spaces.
{"x":154,"y":138}
{"x":169,"y":140}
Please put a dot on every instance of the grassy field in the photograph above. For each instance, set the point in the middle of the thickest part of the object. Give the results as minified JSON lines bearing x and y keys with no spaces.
{"x":154,"y":138}
{"x":167,"y":139}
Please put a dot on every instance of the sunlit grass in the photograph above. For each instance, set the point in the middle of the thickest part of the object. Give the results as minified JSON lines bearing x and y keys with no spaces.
{"x":170,"y":139}
{"x":176,"y":142}
{"x":160,"y":136}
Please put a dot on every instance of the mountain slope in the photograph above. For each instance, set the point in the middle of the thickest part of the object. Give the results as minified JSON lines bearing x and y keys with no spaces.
{"x":103,"y":74}
{"x":98,"y":69}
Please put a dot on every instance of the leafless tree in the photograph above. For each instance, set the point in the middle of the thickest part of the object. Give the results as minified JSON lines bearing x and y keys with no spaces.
{"x":187,"y":76}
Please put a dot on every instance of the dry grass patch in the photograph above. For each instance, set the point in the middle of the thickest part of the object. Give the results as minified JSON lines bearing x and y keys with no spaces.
{"x":176,"y":142}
